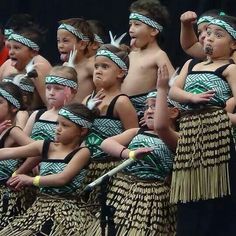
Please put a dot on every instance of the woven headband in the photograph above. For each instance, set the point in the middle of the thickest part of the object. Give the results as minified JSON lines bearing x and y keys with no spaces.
{"x":114,"y":58}
{"x":74,"y":31}
{"x":146,"y":20}
{"x":74,"y":118}
{"x":9,"y":98}
{"x":98,"y":39}
{"x":51,"y":79}
{"x":21,"y":39}
{"x":204,"y":19}
{"x":225,"y":26}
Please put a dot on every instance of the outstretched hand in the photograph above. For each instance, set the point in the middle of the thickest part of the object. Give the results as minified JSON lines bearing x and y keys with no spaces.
{"x":141,"y":152}
{"x":71,"y":60}
{"x":202,"y":97}
{"x":95,"y":100}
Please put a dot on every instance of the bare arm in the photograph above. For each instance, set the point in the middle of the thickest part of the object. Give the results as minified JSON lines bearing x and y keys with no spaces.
{"x":30,"y":123}
{"x":162,"y":121}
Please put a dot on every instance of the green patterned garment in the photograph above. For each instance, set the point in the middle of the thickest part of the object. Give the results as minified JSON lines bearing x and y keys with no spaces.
{"x":201,"y":81}
{"x":102,"y":128}
{"x":156,"y":165}
{"x":7,"y":167}
{"x":49,"y":167}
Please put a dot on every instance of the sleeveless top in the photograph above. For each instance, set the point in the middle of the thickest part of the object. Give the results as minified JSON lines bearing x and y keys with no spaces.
{"x":156,"y":165}
{"x":201,"y":81}
{"x":43,"y":129}
{"x":7,"y":167}
{"x":103,"y":127}
{"x":55,"y":166}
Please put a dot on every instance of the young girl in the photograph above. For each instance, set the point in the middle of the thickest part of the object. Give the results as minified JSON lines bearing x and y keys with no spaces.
{"x":75,"y":33}
{"x":24,"y":46}
{"x":62,"y":172}
{"x":202,"y":182}
{"x":140,"y":193}
{"x":11,"y":203}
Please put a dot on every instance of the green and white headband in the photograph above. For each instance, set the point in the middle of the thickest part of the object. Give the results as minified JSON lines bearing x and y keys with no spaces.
{"x":98,"y":39}
{"x":225,"y":26}
{"x":21,"y":39}
{"x":114,"y":58}
{"x":74,"y":118}
{"x":8,"y":32}
{"x":204,"y":19}
{"x":74,"y":31}
{"x":152,"y":94}
{"x":26,"y":86}
{"x":9,"y":98}
{"x":146,"y":20}
{"x":51,"y":79}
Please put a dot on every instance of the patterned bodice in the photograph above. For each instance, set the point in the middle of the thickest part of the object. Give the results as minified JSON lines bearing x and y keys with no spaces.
{"x":201,"y":81}
{"x":155,"y":165}
{"x":55,"y":166}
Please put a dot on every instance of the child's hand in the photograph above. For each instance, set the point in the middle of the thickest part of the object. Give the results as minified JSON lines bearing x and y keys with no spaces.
{"x":202,"y":97}
{"x":188,"y":17}
{"x":94,"y":101}
{"x":4,"y":125}
{"x":31,"y":69}
{"x":162,"y":77}
{"x":68,"y":95}
{"x":19,"y":181}
{"x":71,"y":60}
{"x":142,"y":122}
{"x":141,"y":152}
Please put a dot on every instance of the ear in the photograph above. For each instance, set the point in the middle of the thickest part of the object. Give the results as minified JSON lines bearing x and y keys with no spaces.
{"x":83,"y":45}
{"x":174,"y":112}
{"x":84,"y":131}
{"x":154,"y":32}
{"x":121,"y":74}
{"x":233,"y":45}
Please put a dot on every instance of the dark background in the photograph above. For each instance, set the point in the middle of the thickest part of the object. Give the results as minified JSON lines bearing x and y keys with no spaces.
{"x":112,"y":13}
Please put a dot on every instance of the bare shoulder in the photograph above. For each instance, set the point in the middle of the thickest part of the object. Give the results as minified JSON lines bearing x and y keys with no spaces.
{"x":42,"y":62}
{"x":162,"y":57}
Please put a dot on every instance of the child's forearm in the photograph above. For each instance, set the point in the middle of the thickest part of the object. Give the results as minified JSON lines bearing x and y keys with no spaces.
{"x":180,"y":95}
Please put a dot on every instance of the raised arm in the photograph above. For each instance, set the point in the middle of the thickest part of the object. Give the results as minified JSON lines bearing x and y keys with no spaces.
{"x":162,"y":120}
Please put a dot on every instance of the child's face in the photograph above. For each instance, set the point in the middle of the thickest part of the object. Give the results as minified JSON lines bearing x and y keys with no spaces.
{"x":65,"y":43}
{"x":218,"y":43}
{"x":139,"y":33}
{"x":149,"y":112}
{"x":105,"y":72}
{"x":19,"y":54}
{"x":202,"y":32}
{"x":56,"y":95}
{"x":4,"y":108}
{"x":67,"y":131}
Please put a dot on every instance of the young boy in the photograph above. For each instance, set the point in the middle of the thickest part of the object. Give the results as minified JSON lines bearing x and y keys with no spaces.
{"x":147,"y":19}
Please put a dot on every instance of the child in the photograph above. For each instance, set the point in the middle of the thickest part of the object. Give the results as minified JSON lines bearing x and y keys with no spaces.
{"x":11,"y":203}
{"x":147,"y":19}
{"x":205,"y":148}
{"x":61,"y":174}
{"x":140,"y":193}
{"x":75,"y":33}
{"x":24,"y":46}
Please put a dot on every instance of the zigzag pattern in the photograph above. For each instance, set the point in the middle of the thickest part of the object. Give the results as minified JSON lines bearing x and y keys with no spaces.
{"x":7,"y":167}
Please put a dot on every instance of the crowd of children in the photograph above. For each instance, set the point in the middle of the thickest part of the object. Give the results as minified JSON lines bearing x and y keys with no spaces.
{"x":62,"y":127}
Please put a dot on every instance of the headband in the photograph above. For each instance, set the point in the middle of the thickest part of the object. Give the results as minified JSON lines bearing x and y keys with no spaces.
{"x":98,"y":39}
{"x":21,"y":39}
{"x":114,"y":58}
{"x":146,"y":20}
{"x":10,"y":98}
{"x":52,"y":79}
{"x":74,"y":118}
{"x":74,"y":31}
{"x":204,"y":19}
{"x":225,"y":26}
{"x":26,"y":86}
{"x":8,"y":32}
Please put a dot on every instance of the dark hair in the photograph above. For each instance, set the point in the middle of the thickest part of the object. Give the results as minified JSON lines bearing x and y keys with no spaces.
{"x":82,"y":111}
{"x":152,"y":9}
{"x":98,"y":28}
{"x":14,"y":90}
{"x":122,"y":52}
{"x":81,"y":25}
{"x":212,"y":12}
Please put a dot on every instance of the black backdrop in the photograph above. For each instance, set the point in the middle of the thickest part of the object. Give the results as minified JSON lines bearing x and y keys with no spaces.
{"x":112,"y":13}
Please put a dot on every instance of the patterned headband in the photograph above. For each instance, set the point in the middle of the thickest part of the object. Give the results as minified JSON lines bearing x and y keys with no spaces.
{"x":25,"y":86}
{"x":225,"y":26}
{"x":21,"y":39}
{"x":74,"y":118}
{"x":8,"y":32}
{"x":146,"y":20}
{"x":98,"y":39}
{"x":9,"y":98}
{"x":74,"y":31}
{"x":52,"y":79}
{"x":114,"y":58}
{"x":204,"y":19}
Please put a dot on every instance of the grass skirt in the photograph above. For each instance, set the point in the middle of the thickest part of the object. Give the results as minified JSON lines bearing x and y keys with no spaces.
{"x":201,"y":169}
{"x":142,"y":208}
{"x":49,"y":215}
{"x":14,"y":203}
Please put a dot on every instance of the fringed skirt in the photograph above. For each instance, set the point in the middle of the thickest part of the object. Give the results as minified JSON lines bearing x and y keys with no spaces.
{"x":142,"y":208}
{"x":201,"y":165}
{"x":14,"y":203}
{"x":90,"y":202}
{"x":49,"y":215}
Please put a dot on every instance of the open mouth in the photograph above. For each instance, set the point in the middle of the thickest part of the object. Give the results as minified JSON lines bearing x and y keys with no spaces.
{"x":132,"y":42}
{"x":13,"y":61}
{"x":208,"y":49}
{"x":64,"y":56}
